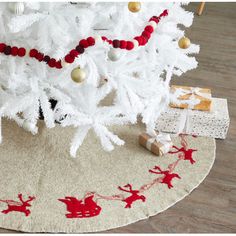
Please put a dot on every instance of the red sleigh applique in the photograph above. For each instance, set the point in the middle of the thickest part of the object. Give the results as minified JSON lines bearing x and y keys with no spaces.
{"x":168,"y":176}
{"x":88,"y":207}
{"x":18,"y":206}
{"x":84,"y":208}
{"x":134,"y":195}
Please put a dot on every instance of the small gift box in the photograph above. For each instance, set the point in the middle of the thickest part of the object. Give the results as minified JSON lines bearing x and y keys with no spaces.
{"x":191,"y":97}
{"x":159,"y":144}
{"x":201,"y":123}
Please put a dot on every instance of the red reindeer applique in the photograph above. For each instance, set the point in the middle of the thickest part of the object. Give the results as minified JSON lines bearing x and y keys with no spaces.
{"x":18,"y":206}
{"x":84,"y":208}
{"x":168,"y":176}
{"x":188,"y":153}
{"x":134,"y":195}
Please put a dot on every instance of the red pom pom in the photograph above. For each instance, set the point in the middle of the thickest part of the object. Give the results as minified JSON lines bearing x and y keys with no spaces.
{"x":123,"y":44}
{"x":164,"y":13}
{"x":143,"y":40}
{"x":91,"y":41}
{"x":139,"y":39}
{"x":146,"y":34}
{"x":7,"y":50}
{"x":52,"y":62}
{"x":83,"y":43}
{"x":110,"y":41}
{"x":39,"y":56}
{"x":116,"y":43}
{"x":14,"y":51}
{"x":130,"y":45}
{"x":74,"y":53}
{"x":2,"y":47}
{"x":79,"y":49}
{"x":149,"y":29}
{"x":69,"y":58}
{"x":155,"y":19}
{"x":33,"y":53}
{"x":104,"y":38}
{"x":58,"y":65}
{"x":21,"y":52}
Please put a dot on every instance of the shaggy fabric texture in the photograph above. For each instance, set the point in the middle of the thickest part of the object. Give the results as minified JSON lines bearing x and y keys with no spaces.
{"x":42,"y":189}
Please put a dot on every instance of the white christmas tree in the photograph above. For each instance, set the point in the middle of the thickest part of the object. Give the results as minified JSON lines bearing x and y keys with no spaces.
{"x":78,"y":53}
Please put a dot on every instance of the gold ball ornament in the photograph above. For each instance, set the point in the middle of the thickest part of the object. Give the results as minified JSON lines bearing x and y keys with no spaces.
{"x":78,"y":75}
{"x":184,"y":42}
{"x":134,"y":6}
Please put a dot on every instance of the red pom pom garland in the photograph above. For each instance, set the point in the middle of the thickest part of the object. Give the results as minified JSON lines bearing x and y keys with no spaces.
{"x":52,"y":63}
{"x":74,"y":53}
{"x":123,"y":44}
{"x":21,"y":52}
{"x":33,"y":53}
{"x":85,"y":43}
{"x":69,"y":58}
{"x":14,"y":51}
{"x":2,"y":47}
{"x":149,"y":29}
{"x":130,"y":45}
{"x":91,"y":41}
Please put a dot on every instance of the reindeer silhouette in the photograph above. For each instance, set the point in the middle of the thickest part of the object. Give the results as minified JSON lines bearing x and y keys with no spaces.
{"x":18,"y":206}
{"x":168,"y":176}
{"x":134,"y":195}
{"x":81,"y":208}
{"x":188,"y":153}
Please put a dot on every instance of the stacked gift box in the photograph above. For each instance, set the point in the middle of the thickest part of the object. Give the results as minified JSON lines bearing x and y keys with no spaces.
{"x":194,"y":111}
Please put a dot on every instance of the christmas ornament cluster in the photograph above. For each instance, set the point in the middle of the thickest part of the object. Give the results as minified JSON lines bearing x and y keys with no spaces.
{"x":89,"y":51}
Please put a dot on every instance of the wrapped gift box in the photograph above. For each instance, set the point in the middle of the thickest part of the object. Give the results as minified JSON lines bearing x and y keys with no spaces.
{"x":159,"y":144}
{"x":214,"y":123}
{"x":191,"y":97}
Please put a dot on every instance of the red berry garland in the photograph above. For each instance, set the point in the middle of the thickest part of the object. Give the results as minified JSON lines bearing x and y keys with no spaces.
{"x":85,"y":43}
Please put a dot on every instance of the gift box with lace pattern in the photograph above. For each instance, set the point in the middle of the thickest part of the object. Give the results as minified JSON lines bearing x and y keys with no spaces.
{"x":213,"y":123}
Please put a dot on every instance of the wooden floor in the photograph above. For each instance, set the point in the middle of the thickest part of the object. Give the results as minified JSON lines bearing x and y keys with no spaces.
{"x":211,"y":208}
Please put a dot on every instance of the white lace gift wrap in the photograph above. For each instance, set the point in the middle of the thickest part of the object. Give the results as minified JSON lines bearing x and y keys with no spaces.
{"x":202,"y":123}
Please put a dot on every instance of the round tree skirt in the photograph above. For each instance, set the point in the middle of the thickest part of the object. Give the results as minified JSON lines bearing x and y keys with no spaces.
{"x":43,"y":189}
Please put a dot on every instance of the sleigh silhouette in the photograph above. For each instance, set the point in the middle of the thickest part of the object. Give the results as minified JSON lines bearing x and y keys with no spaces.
{"x":84,"y":208}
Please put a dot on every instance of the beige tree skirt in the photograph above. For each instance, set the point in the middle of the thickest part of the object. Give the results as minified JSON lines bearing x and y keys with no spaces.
{"x":37,"y":171}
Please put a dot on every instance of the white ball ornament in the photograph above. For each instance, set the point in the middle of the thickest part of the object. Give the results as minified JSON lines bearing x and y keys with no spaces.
{"x":153,"y":24}
{"x":114,"y":54}
{"x":136,"y":44}
{"x":64,"y":64}
{"x":16,"y":8}
{"x":98,"y":39}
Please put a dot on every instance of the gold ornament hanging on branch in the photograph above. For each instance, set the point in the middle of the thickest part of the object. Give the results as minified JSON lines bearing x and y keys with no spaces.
{"x":134,"y":6}
{"x":78,"y":75}
{"x":184,"y":42}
